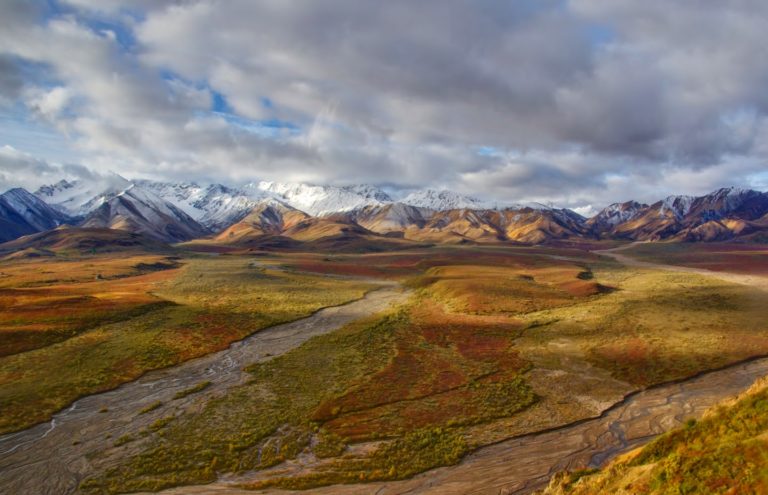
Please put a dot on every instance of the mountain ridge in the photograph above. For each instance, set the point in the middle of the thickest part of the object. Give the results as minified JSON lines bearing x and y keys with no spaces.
{"x":178,"y":212}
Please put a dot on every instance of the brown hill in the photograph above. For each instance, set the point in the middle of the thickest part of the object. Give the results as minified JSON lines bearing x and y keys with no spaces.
{"x":524,"y":225}
{"x":276,"y":226}
{"x":82,"y":240}
{"x":267,"y":219}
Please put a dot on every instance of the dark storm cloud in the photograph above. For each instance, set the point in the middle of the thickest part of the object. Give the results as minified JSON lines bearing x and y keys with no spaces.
{"x":586,"y":96}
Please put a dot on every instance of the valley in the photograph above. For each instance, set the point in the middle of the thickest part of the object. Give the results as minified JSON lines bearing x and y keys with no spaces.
{"x":453,"y":354}
{"x":76,"y":327}
{"x":383,"y":248}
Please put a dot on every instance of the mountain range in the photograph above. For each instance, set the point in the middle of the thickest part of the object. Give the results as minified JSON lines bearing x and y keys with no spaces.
{"x":272,"y":214}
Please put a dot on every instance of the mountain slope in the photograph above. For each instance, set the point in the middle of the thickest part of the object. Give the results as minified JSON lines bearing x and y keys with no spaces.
{"x":275,"y":225}
{"x":215,"y":206}
{"x":538,"y":225}
{"x":721,"y":215}
{"x":80,"y":197}
{"x":268,"y":218}
{"x":23,"y":213}
{"x":725,"y":452}
{"x":391,"y":218}
{"x":84,"y":240}
{"x":611,"y":216}
{"x":456,"y":226}
{"x":12,"y":224}
{"x":140,"y":211}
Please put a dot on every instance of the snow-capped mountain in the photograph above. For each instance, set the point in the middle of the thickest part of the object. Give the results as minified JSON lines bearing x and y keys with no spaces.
{"x":22,"y":213}
{"x":185,"y":210}
{"x":442,"y":200}
{"x":679,"y":206}
{"x":224,"y":206}
{"x":615,"y":214}
{"x":215,"y":206}
{"x":183,"y":195}
{"x":322,"y":200}
{"x":394,"y":217}
{"x":34,"y":211}
{"x":137,"y":210}
{"x":719,"y":215}
{"x":746,"y":203}
{"x":445,"y":200}
{"x":79,"y":197}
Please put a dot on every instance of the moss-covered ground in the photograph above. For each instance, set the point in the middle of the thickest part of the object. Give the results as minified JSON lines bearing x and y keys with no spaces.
{"x":200,"y":306}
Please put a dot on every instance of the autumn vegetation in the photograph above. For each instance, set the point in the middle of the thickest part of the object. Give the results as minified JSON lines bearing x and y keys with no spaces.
{"x":493,"y":342}
{"x":72,"y":327}
{"x":724,"y":453}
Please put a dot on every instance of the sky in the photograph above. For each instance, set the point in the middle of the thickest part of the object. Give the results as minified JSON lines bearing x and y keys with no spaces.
{"x":577,"y":103}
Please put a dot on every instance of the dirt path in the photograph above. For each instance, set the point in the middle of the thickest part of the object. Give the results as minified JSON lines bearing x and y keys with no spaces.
{"x":51,"y":458}
{"x":523,"y":464}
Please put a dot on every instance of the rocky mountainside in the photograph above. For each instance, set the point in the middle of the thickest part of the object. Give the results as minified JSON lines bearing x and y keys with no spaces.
{"x":23,"y":213}
{"x":613,"y":215}
{"x":140,"y":211}
{"x":721,"y":215}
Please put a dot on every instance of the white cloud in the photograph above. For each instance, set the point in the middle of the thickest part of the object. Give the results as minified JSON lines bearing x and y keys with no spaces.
{"x":48,"y":103}
{"x":402,"y":93}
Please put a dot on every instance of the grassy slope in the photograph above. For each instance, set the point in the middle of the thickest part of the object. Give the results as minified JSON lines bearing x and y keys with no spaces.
{"x":657,"y":327}
{"x":724,"y":453}
{"x":208,"y":304}
{"x":47,"y":301}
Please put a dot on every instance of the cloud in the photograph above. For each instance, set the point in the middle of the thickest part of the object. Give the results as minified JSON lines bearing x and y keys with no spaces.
{"x":11,"y":80}
{"x":583,"y":99}
{"x":48,"y":103}
{"x":19,"y":169}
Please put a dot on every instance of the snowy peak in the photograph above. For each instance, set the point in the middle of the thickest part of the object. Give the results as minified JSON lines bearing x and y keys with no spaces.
{"x":393,"y":217}
{"x":322,"y":200}
{"x":215,"y":206}
{"x":181,"y":194}
{"x":80,"y":197}
{"x":23,"y":213}
{"x":138,"y":210}
{"x":443,"y":200}
{"x":34,"y":211}
{"x":678,"y":206}
{"x":727,"y":200}
{"x":53,"y":189}
{"x":615,"y":214}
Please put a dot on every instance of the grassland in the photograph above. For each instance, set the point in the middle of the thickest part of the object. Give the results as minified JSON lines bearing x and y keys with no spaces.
{"x":495,"y":341}
{"x":42,"y":303}
{"x":657,"y":326}
{"x":724,"y":453}
{"x":87,"y":325}
{"x":749,"y":259}
{"x":410,"y":383}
